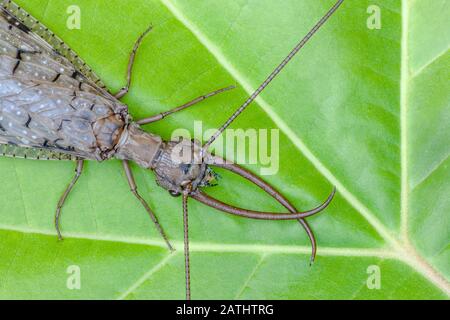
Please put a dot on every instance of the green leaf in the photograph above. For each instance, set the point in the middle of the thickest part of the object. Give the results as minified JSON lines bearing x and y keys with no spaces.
{"x":364,"y":110}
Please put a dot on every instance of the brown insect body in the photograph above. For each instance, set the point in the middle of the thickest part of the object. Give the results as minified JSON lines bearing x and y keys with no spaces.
{"x":175,"y":163}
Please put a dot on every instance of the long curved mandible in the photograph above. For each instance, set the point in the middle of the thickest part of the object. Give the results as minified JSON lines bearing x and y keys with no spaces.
{"x":259,"y":215}
{"x":294,"y":214}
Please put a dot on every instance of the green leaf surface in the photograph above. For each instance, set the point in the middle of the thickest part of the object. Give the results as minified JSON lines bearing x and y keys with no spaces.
{"x":365,"y":110}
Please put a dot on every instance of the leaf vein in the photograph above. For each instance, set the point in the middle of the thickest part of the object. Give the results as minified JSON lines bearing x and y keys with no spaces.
{"x":250,"y":276}
{"x":146,"y":276}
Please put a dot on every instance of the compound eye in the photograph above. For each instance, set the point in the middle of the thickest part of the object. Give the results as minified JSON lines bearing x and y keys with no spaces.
{"x":174,"y":193}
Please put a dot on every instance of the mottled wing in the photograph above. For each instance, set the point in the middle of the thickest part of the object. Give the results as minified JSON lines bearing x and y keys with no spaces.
{"x":50,"y":43}
{"x":48,"y":101}
{"x":9,"y":150}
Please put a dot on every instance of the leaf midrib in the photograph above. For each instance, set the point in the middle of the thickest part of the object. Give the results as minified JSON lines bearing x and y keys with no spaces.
{"x":202,"y":246}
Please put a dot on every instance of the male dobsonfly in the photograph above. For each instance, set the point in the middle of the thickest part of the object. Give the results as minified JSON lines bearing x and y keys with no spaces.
{"x":52,"y":106}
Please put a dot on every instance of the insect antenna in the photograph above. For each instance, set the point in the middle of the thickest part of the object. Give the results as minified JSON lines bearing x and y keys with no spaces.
{"x":272,"y":75}
{"x":187,"y":270}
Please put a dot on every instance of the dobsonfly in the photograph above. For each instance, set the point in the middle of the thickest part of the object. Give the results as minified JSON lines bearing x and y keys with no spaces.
{"x":54,"y":107}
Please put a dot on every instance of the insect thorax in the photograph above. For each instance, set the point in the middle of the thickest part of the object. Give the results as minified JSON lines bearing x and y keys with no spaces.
{"x":138,"y":146}
{"x":176,"y":163}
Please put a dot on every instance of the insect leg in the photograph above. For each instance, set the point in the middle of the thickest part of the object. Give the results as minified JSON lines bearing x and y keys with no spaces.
{"x":78,"y":171}
{"x":162,"y":115}
{"x":133,"y":188}
{"x":122,"y":92}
